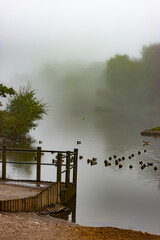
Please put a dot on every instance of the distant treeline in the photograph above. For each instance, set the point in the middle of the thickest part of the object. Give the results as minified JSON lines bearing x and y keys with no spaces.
{"x":136,"y":81}
{"x":122,"y":85}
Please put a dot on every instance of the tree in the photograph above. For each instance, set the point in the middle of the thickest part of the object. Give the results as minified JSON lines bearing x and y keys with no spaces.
{"x":4,"y":91}
{"x":22,"y":113}
{"x":151,"y":68}
{"x":123,"y":72}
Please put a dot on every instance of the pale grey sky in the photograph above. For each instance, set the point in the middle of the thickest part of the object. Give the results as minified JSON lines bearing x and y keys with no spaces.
{"x":34,"y":31}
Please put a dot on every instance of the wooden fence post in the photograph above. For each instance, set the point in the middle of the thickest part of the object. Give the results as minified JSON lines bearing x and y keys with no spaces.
{"x":68,"y":159}
{"x":38,"y":164}
{"x":75,"y":166}
{"x":59,"y":167}
{"x":4,"y":162}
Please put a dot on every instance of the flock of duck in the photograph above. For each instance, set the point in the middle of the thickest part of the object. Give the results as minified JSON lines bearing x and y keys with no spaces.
{"x":119,"y":161}
{"x":116,"y":160}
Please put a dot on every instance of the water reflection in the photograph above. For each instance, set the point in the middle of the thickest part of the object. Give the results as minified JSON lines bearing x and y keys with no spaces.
{"x":22,"y":171}
{"x":106,"y":196}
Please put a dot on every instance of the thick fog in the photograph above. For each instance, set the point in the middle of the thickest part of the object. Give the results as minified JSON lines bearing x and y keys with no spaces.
{"x":62,"y":47}
{"x":35,"y":32}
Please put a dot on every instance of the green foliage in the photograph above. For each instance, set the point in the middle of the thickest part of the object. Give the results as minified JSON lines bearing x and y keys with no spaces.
{"x":156,"y":129}
{"x":26,"y":108}
{"x":12,"y":127}
{"x":151,"y":68}
{"x":135,"y":81}
{"x":123,"y":72}
{"x":151,"y":57}
{"x":22,"y":113}
{"x":4,"y":91}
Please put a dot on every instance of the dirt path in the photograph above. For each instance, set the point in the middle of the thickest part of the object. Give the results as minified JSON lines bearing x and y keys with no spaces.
{"x":32,"y":226}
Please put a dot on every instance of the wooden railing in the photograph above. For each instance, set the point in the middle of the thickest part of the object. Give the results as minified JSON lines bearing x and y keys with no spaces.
{"x":71,"y":163}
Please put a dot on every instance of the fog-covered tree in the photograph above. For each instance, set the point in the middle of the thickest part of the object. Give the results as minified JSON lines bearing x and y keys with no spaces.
{"x":4,"y":91}
{"x":123,"y":72}
{"x":151,"y":68}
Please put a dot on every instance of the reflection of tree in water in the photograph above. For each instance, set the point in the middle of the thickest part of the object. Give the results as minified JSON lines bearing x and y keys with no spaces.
{"x":16,"y":156}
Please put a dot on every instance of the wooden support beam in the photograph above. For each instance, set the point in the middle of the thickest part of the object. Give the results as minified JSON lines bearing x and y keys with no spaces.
{"x":75,"y":166}
{"x":59,"y":167}
{"x":38,"y":164}
{"x":67,"y":180}
{"x":4,"y":162}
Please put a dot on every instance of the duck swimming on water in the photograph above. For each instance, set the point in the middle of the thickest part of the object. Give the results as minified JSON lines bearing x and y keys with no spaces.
{"x":145,"y":143}
{"x":107,"y":163}
{"x":130,"y":166}
{"x":120,"y":165}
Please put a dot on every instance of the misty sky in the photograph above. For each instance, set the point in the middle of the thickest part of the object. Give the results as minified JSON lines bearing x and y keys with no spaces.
{"x":38,"y":31}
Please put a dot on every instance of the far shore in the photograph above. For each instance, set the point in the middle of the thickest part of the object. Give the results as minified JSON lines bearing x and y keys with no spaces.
{"x":150,"y":132}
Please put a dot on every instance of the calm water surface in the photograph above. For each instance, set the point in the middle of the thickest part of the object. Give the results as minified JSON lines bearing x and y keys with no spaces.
{"x":106,"y":196}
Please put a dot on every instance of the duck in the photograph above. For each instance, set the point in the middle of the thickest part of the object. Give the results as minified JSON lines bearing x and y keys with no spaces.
{"x":40,"y":142}
{"x":129,"y":157}
{"x":54,"y":161}
{"x":139,"y":152}
{"x":143,"y":166}
{"x":145,"y":150}
{"x":89,"y":161}
{"x":78,"y":142}
{"x":149,"y":164}
{"x":155,"y":168}
{"x":119,"y":159}
{"x":116,"y":162}
{"x":141,"y":162}
{"x":94,"y":159}
{"x":123,"y":158}
{"x":110,"y":158}
{"x":114,"y":156}
{"x":130,"y":166}
{"x":80,"y":157}
{"x":120,"y":165}
{"x":132,"y":155}
{"x":93,"y":163}
{"x":107,"y":163}
{"x":145,"y":143}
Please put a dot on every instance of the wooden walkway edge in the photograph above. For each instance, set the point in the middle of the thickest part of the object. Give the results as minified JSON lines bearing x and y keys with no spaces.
{"x":53,"y":193}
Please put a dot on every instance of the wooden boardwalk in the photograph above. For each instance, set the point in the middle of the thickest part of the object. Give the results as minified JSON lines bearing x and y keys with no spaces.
{"x":36,"y":195}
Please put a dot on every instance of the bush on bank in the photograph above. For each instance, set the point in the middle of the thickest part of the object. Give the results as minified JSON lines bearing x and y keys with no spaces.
{"x":22,"y":112}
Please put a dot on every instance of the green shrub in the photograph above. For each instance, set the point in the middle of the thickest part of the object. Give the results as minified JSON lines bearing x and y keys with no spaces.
{"x":22,"y":113}
{"x":156,"y":129}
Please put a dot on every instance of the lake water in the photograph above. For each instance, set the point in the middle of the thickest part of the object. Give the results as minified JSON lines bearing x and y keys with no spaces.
{"x":106,"y":196}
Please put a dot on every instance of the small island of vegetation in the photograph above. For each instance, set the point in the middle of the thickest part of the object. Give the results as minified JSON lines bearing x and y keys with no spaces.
{"x":21,"y":113}
{"x":151,"y":132}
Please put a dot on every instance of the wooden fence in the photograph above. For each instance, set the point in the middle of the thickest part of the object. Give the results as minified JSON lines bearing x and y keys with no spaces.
{"x":63,"y":191}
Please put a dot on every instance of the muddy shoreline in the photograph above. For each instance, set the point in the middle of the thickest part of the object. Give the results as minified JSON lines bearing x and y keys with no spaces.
{"x":29,"y":226}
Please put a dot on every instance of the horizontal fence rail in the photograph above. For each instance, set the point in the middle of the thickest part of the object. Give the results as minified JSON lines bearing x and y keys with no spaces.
{"x":70,"y":156}
{"x":59,"y":192}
